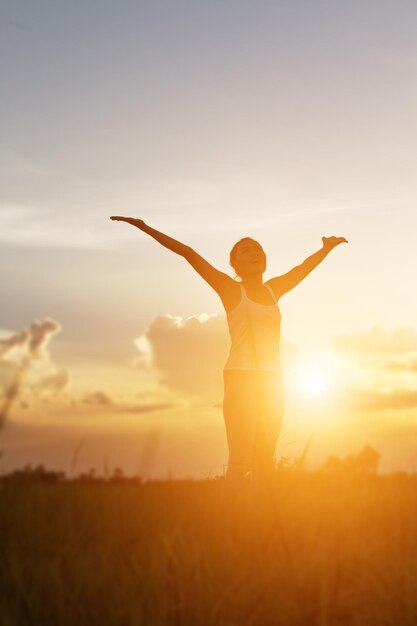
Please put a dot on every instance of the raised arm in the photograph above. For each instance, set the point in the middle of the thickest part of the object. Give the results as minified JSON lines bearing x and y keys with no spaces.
{"x":219,"y":281}
{"x":286,"y":282}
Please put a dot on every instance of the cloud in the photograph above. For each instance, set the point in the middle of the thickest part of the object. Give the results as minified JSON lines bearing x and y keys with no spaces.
{"x":368,"y":400}
{"x":97,"y":398}
{"x":144,"y":356}
{"x":18,"y":351}
{"x":55,"y":382}
{"x":100,"y":399}
{"x":7,"y":373}
{"x":33,"y":341}
{"x":377,"y":342}
{"x":149,"y":408}
{"x":188,"y":354}
{"x":13,"y":341}
{"x":401,"y":366}
{"x":39,"y":335}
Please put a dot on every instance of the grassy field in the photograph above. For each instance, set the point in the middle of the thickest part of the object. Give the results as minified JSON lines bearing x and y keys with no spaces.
{"x":339,"y":549}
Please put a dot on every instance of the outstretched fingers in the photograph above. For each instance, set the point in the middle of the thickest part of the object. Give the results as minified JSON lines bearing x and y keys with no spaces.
{"x":134,"y":221}
{"x":333,"y":241}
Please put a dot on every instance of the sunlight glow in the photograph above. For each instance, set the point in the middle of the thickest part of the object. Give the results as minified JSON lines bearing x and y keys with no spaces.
{"x":312,"y":382}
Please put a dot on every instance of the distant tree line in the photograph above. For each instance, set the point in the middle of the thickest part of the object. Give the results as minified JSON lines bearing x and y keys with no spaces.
{"x":364,"y":462}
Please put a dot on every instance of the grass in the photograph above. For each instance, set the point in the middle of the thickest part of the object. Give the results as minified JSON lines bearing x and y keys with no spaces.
{"x":340,"y":549}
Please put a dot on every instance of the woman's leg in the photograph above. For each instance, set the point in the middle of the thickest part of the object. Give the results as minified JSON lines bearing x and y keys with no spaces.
{"x":270,"y":403}
{"x":240,"y":416}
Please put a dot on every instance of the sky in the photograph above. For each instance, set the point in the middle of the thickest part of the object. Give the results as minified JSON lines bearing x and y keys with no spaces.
{"x":211,"y":120}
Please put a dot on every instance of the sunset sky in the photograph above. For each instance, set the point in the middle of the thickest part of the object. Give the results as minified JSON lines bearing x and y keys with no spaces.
{"x":211,"y":120}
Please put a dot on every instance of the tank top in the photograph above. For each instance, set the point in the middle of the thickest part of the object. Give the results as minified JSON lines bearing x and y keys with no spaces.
{"x":255,"y":333}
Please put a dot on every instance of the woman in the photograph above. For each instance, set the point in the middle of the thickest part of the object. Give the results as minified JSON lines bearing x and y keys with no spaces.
{"x":253,"y":404}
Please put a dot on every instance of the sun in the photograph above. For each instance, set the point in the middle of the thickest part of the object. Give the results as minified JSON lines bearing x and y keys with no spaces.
{"x":315,"y":376}
{"x":312,"y":382}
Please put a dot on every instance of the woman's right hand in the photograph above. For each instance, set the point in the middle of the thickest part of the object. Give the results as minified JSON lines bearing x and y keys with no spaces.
{"x":130,"y":220}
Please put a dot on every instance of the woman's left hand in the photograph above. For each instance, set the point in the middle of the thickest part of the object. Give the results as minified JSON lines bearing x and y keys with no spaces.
{"x":331,"y":242}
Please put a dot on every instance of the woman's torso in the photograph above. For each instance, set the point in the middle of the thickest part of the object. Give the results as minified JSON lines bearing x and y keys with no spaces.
{"x":254,"y":327}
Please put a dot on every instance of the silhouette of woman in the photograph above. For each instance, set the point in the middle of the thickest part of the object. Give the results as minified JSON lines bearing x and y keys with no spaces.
{"x":253,"y":404}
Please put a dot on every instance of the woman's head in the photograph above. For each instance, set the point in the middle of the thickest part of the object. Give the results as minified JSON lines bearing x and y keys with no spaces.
{"x":247,"y":257}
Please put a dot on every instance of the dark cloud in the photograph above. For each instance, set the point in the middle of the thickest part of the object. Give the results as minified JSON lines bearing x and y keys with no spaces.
{"x":377,"y":342}
{"x":97,"y":398}
{"x":19,"y":25}
{"x":149,"y":408}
